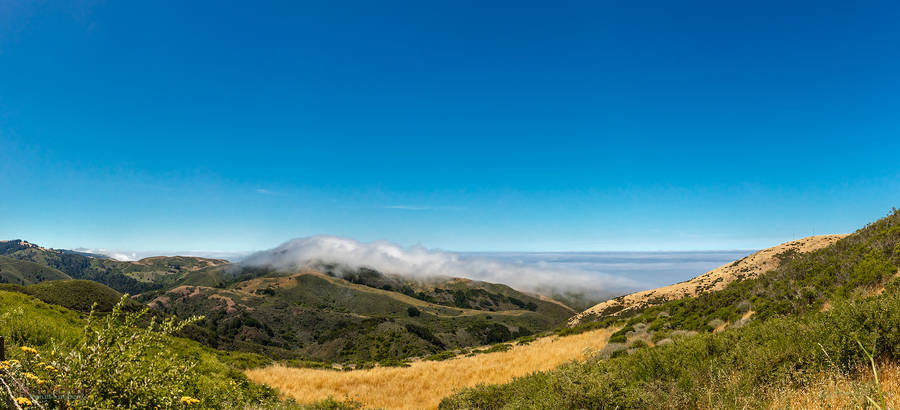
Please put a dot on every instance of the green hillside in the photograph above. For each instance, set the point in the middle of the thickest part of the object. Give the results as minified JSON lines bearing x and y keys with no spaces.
{"x":453,"y":292}
{"x":319,"y":317}
{"x":355,"y":315}
{"x":21,"y":272}
{"x":79,"y":295}
{"x":814,"y":313}
{"x":127,"y":277}
{"x":112,"y":363}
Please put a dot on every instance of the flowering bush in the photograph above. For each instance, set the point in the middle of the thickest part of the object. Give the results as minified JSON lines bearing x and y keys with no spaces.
{"x":122,"y":362}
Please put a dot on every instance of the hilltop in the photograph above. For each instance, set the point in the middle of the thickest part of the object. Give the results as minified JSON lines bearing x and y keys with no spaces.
{"x":315,"y":316}
{"x":748,"y":267}
{"x":126,"y":277}
{"x":312,"y":316}
{"x":819,"y":321}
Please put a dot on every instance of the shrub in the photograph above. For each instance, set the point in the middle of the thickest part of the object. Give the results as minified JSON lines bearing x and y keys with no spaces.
{"x":617,"y":338}
{"x":113,"y":362}
{"x":733,"y":368}
{"x":440,"y":356}
{"x":638,"y":344}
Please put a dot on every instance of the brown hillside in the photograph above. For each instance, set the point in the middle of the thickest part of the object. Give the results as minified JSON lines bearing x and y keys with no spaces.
{"x":425,"y":383}
{"x":747,"y":267}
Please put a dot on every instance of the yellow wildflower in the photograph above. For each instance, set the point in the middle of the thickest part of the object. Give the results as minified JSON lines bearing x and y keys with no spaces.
{"x":22,"y":401}
{"x":189,"y":400}
{"x":51,"y":368}
{"x":31,"y":376}
{"x":41,"y":364}
{"x":27,"y":349}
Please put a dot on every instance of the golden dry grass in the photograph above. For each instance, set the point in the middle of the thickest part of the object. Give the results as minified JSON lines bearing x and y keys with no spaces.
{"x":841,"y":392}
{"x":423,"y":384}
{"x":716,"y":279}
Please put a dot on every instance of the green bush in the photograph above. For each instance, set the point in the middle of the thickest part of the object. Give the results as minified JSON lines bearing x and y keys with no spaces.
{"x":440,"y":356}
{"x":731,"y":369}
{"x":617,"y":338}
{"x":112,"y":361}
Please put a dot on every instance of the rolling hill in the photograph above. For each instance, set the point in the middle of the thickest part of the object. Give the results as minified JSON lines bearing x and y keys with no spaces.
{"x":827,"y":314}
{"x":748,"y":267}
{"x":333,"y":314}
{"x":316,"y":316}
{"x":22,"y":272}
{"x":126,"y":277}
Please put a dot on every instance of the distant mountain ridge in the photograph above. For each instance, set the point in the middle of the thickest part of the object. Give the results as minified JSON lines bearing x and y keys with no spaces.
{"x":327,"y":313}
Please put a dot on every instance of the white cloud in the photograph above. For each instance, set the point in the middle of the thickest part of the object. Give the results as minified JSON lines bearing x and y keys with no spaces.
{"x":117,"y":255}
{"x":129,"y":256}
{"x":420,"y":263}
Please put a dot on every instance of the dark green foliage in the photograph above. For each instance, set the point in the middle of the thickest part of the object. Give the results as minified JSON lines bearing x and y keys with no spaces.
{"x":391,"y":362}
{"x":460,"y":299}
{"x":787,"y":341}
{"x":490,"y":333}
{"x":332,"y":404}
{"x":323,"y":318}
{"x":78,"y":295}
{"x":309,"y":317}
{"x":524,"y":340}
{"x":728,"y":369}
{"x":113,"y":362}
{"x":499,"y":347}
{"x":617,"y":338}
{"x":425,"y":334}
{"x":803,"y":282}
{"x":128,"y":277}
{"x":440,"y":356}
{"x":21,"y":272}
{"x":528,"y":306}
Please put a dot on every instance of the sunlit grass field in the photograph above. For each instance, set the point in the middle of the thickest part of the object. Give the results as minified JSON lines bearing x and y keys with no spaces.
{"x":425,"y":383}
{"x":834,"y":390}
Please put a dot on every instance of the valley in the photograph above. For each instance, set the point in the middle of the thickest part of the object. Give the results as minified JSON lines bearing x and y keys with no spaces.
{"x":348,"y":336}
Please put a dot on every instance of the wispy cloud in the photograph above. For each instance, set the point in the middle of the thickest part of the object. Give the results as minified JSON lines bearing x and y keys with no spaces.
{"x":128,"y":255}
{"x":264,"y":191}
{"x":421,"y":263}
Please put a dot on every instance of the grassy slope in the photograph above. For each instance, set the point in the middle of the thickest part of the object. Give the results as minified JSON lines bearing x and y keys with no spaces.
{"x":127,"y":277}
{"x":79,"y":295}
{"x":26,"y":321}
{"x":736,"y":368}
{"x":21,"y":272}
{"x":75,"y":294}
{"x":451,"y":292}
{"x":786,"y":342}
{"x":315,"y":316}
{"x":424,"y":383}
{"x":750,"y":266}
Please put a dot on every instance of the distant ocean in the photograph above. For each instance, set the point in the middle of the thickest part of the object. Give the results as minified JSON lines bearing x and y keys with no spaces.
{"x":644,"y":270}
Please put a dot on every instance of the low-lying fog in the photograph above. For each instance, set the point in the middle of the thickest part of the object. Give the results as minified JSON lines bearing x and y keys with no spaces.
{"x":595,"y":275}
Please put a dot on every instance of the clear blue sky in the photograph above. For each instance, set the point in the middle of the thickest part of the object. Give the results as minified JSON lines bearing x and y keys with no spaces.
{"x":472,"y":126}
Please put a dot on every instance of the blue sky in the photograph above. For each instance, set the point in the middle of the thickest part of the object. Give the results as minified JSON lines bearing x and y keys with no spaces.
{"x":469,"y":126}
